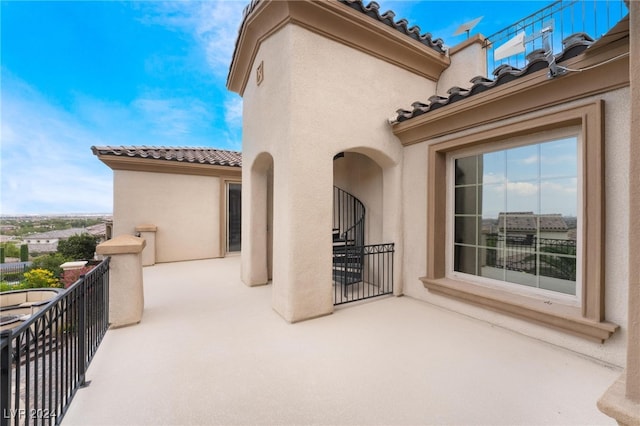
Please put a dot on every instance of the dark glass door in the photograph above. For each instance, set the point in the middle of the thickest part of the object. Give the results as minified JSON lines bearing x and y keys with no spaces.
{"x":234,"y":214}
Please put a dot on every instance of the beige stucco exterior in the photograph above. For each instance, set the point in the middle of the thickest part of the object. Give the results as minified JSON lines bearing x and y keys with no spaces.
{"x":184,"y":208}
{"x":308,"y":96}
{"x":468,"y":59}
{"x":304,"y":73}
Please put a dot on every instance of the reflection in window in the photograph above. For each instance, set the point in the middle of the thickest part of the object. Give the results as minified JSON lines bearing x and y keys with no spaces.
{"x":516,"y":215}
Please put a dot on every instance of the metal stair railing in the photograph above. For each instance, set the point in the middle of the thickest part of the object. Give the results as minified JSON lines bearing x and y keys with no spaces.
{"x":348,"y":238}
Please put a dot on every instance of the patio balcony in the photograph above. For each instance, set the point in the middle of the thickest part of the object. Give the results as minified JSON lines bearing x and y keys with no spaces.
{"x":210,"y":350}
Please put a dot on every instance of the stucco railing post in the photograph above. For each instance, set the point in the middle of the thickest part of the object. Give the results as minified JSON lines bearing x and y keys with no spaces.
{"x":148,"y":233}
{"x":126,"y":295}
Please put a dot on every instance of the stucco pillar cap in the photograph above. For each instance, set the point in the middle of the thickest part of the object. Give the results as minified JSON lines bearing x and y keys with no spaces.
{"x":73,"y":265}
{"x":122,"y":244}
{"x":146,"y":228}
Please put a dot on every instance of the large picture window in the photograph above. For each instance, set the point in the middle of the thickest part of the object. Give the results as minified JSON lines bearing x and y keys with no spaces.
{"x":515,"y":219}
{"x":515,"y":215}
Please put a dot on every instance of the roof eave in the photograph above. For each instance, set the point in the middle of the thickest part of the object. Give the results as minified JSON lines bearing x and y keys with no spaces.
{"x":335,"y":21}
{"x":137,"y":164}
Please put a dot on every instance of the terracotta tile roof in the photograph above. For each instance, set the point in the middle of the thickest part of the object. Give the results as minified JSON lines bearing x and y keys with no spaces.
{"x":217,"y":157}
{"x":527,"y":221}
{"x":573,"y":46}
{"x":402,"y":25}
{"x":372,"y":10}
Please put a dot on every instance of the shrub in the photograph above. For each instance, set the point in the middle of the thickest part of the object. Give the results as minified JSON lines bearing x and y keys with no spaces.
{"x":50,"y":262}
{"x":39,"y":278}
{"x":5,"y":286}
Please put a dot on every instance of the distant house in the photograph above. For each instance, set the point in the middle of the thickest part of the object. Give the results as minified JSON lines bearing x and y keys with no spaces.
{"x":47,"y":242}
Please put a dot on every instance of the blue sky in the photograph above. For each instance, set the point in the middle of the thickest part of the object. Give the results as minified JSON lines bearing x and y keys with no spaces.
{"x":76,"y":74}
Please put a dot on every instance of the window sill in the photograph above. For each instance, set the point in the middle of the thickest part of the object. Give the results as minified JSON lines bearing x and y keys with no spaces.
{"x":552,"y":314}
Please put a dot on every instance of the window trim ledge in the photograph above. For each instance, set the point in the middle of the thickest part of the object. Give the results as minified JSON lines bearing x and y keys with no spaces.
{"x":551,"y":314}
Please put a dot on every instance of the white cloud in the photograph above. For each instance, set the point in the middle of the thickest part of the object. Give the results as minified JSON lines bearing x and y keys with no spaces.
{"x":522,"y":188}
{"x":233,"y":111}
{"x":47,"y":164}
{"x":213,"y":24}
{"x":173,"y":117}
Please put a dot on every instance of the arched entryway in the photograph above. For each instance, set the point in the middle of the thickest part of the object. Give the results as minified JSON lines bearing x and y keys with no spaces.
{"x":363,"y":253}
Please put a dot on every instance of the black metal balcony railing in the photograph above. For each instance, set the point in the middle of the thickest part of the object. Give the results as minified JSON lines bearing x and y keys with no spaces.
{"x":566,"y":17}
{"x":44,"y":360}
{"x":549,"y":257}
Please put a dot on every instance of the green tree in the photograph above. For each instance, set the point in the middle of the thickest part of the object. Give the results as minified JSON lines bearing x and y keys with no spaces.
{"x":78,"y":247}
{"x":24,"y":253}
{"x":50,"y":262}
{"x":11,"y":250}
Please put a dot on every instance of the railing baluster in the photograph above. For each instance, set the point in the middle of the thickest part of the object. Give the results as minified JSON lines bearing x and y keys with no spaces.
{"x":5,"y":376}
{"x":82,"y":330}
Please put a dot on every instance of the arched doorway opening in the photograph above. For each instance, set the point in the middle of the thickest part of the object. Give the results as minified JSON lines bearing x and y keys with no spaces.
{"x":362,"y":259}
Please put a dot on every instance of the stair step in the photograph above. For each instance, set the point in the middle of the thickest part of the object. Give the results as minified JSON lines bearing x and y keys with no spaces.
{"x":347,"y":277}
{"x":347,"y":260}
{"x":343,"y":243}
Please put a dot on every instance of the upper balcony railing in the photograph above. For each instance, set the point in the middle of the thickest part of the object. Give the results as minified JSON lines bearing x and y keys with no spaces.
{"x":566,"y":17}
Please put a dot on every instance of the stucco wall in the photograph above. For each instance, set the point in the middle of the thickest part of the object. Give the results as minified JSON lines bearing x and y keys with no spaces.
{"x":186,"y":210}
{"x":318,"y":98}
{"x":468,"y":60}
{"x":616,"y":259}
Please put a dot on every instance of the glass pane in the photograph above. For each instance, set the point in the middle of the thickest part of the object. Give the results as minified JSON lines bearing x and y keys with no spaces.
{"x":465,"y":259}
{"x":522,"y":196}
{"x":559,"y":196}
{"x":493,"y":167}
{"x":465,"y":230}
{"x":490,"y":265}
{"x":466,"y":170}
{"x":492,"y":201}
{"x":561,"y":267}
{"x":555,"y":284}
{"x":522,"y":163}
{"x":559,"y":158}
{"x":521,"y":277}
{"x":466,"y":200}
{"x":234,"y":215}
{"x":490,"y":239}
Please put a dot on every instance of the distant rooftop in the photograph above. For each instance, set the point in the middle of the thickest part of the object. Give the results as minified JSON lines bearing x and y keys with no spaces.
{"x":211,"y":156}
{"x":61,"y":233}
{"x":529,"y":222}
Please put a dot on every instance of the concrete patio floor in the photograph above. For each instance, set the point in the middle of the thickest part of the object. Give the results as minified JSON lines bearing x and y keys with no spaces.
{"x":210,"y":350}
